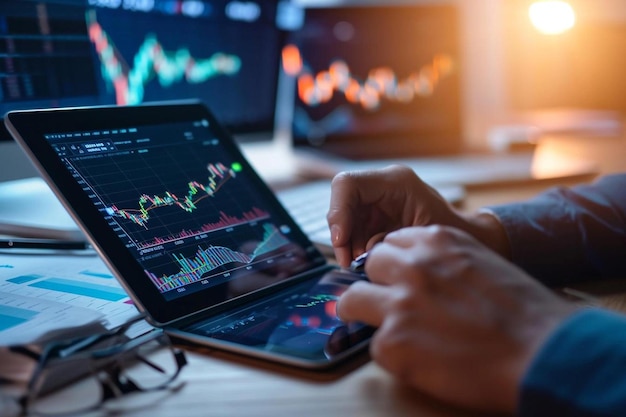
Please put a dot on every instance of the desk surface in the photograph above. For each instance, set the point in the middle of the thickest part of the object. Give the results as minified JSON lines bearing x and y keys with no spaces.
{"x":220,"y":384}
{"x":217,"y":383}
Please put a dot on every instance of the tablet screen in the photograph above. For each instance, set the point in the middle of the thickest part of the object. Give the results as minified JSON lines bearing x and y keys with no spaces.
{"x":177,"y":194}
{"x":301,"y":321}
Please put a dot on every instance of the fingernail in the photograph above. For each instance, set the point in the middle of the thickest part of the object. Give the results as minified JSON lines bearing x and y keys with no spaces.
{"x":335,"y":233}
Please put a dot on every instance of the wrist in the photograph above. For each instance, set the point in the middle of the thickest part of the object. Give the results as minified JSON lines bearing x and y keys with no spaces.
{"x":487,"y":229}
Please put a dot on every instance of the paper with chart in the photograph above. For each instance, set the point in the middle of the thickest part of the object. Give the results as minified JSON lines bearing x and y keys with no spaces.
{"x":41,"y":293}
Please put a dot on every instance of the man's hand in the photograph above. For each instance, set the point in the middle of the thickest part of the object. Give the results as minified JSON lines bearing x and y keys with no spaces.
{"x":454,"y":319}
{"x":367,"y":205}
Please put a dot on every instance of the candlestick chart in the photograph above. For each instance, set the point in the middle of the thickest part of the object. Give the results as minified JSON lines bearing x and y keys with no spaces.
{"x":165,"y":217}
{"x":219,"y":175}
{"x":152,"y":61}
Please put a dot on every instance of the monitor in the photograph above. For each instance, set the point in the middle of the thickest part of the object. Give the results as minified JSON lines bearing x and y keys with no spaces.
{"x":58,"y":53}
{"x":377,"y":79}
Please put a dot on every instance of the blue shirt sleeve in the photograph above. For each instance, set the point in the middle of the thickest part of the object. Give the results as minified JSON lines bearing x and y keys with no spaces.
{"x":570,"y":234}
{"x":580,"y":370}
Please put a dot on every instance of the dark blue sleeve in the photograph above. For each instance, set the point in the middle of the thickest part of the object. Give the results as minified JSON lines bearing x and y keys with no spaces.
{"x":580,"y":371}
{"x":570,"y":234}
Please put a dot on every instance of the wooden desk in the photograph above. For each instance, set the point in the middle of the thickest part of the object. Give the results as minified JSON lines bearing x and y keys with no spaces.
{"x":220,"y":384}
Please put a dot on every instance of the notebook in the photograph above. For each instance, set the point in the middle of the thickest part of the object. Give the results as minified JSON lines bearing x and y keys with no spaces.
{"x":193,"y":234}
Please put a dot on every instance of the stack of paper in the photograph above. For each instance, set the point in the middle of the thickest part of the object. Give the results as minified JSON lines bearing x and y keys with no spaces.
{"x":55,"y":297}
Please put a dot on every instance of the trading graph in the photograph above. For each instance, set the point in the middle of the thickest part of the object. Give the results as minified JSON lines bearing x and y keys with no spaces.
{"x":162,"y":218}
{"x":225,"y":221}
{"x":206,"y":260}
{"x":309,"y":314}
{"x":158,"y":195}
{"x":183,"y":236}
{"x":153,"y":61}
{"x":367,"y":99}
{"x":181,"y":201}
{"x":385,"y":72}
{"x":219,"y":174}
{"x":381,"y":82}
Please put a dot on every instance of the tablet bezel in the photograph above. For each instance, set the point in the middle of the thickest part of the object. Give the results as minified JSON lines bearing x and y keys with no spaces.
{"x":29,"y":127}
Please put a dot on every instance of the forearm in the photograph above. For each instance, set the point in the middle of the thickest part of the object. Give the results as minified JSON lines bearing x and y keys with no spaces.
{"x":562,"y":235}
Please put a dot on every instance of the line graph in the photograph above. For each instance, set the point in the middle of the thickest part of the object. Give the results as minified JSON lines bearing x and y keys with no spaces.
{"x":381,"y":82}
{"x":206,"y":260}
{"x":219,"y":174}
{"x":152,"y":61}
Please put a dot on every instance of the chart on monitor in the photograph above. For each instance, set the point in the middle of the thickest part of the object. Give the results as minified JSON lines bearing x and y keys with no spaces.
{"x":381,"y":79}
{"x":76,"y":52}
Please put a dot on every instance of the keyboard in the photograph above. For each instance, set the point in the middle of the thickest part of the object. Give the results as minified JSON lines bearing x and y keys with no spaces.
{"x":308,"y":204}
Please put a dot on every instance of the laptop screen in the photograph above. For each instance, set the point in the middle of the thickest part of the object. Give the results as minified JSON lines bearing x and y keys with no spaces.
{"x":377,"y":80}
{"x":59,"y":53}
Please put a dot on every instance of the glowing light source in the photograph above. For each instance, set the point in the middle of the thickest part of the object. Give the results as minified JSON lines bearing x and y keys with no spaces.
{"x":552,"y":17}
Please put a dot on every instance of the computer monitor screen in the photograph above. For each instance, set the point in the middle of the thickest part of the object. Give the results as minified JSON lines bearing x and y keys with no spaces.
{"x":377,"y":80}
{"x":78,"y":52}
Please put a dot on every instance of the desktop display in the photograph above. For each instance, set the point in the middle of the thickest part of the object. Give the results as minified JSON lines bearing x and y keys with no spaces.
{"x":77,"y":52}
{"x":382,"y":77}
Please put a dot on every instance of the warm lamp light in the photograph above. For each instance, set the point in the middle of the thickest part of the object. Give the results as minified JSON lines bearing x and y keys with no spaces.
{"x":552,"y":17}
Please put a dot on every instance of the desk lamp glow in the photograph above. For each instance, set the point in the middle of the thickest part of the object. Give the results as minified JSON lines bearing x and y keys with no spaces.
{"x":552,"y":17}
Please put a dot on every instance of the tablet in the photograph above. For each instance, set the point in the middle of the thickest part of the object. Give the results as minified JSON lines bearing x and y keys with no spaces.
{"x":193,"y":234}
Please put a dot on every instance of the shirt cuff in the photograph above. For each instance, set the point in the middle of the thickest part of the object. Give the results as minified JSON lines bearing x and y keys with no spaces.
{"x":580,"y":370}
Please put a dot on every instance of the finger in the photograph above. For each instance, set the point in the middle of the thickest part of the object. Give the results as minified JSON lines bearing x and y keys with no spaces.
{"x":351,"y":192}
{"x":377,"y":238}
{"x":343,"y":255}
{"x":408,"y":236}
{"x":364,"y":302}
{"x":388,"y":264}
{"x":343,"y":203}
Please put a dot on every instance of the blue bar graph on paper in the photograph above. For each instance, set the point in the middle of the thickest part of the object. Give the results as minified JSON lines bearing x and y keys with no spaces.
{"x":13,"y":316}
{"x":87,"y":289}
{"x":22,"y":279}
{"x":96,"y":274}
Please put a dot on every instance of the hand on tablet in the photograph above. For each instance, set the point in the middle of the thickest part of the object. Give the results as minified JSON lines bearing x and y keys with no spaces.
{"x":454,"y":319}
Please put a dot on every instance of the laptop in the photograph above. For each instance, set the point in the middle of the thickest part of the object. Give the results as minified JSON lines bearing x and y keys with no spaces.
{"x":377,"y":80}
{"x":193,"y":234}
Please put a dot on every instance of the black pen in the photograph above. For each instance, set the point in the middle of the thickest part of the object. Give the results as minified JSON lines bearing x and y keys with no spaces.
{"x":43,"y":244}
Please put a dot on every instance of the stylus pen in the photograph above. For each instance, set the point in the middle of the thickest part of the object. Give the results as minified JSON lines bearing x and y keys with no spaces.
{"x":358,"y":265}
{"x":44,"y":244}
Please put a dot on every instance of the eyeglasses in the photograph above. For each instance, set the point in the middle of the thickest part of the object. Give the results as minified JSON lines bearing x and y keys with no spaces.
{"x":77,"y":376}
